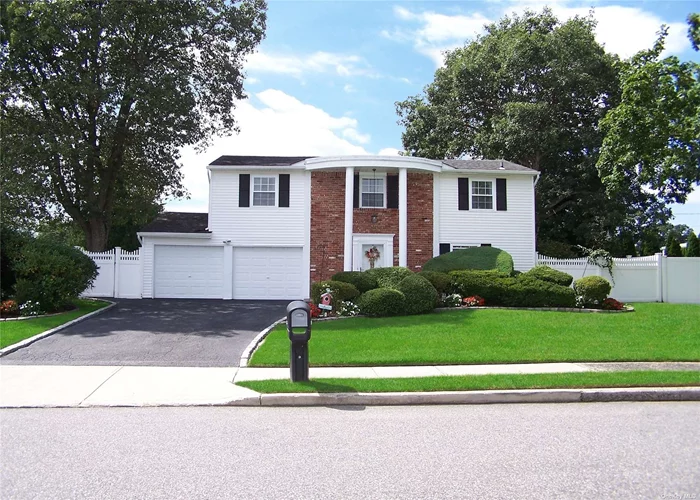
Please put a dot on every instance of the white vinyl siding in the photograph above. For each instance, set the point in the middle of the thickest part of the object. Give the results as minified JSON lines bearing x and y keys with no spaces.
{"x":268,"y":273}
{"x":183,"y":271}
{"x":512,"y":230}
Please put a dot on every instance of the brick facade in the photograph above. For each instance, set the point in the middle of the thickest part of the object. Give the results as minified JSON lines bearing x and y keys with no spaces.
{"x":328,"y":222}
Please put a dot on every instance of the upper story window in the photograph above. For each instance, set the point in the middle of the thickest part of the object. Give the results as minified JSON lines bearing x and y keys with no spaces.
{"x":372,"y":192}
{"x":264,"y":191}
{"x":482,"y":195}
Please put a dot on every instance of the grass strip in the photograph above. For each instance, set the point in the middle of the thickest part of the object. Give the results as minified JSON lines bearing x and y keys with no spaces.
{"x":654,"y":332}
{"x":12,"y":332}
{"x":483,"y":382}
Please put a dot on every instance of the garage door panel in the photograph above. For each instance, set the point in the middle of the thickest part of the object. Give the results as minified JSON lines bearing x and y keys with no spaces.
{"x":189,"y":272}
{"x":268,"y":273}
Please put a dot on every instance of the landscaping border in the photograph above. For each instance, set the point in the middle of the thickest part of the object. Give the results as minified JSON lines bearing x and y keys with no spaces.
{"x":248,"y":352}
{"x":24,"y":343}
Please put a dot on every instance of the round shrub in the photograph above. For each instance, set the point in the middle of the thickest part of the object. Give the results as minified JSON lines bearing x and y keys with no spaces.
{"x":441,"y":281}
{"x":382,"y":302}
{"x":592,"y":290}
{"x":389,"y":277}
{"x":421,"y":296}
{"x":477,"y":258}
{"x":491,"y":285}
{"x":52,"y":274}
{"x":364,"y":282}
{"x":546,"y":273}
{"x":340,"y":290}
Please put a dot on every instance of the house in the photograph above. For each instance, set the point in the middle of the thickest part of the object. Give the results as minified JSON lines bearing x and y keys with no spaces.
{"x":276,"y":224}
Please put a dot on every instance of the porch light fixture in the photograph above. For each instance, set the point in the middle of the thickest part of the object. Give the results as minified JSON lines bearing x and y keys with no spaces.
{"x":374,"y":218}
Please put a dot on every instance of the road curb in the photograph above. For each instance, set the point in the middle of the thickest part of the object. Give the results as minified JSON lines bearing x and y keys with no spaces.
{"x":485,"y":397}
{"x":24,"y":343}
{"x":248,"y":352}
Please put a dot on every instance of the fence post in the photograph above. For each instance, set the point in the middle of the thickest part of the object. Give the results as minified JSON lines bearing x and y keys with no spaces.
{"x":117,"y":265}
{"x":659,"y":277}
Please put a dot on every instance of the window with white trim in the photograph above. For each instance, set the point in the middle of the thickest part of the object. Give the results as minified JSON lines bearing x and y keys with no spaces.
{"x":372,"y":192}
{"x":482,"y":195}
{"x":264,"y":193}
{"x":463,"y":247}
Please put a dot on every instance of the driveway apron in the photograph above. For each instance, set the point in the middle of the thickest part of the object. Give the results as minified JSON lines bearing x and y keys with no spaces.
{"x":157,"y":332}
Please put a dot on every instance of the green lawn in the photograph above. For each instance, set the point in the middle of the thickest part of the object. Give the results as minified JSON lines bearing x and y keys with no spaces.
{"x":482,"y":382}
{"x":655,"y":332}
{"x":12,"y":332}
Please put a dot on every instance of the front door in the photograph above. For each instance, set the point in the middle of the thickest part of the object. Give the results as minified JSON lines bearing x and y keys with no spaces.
{"x":372,"y":250}
{"x":372,"y":256}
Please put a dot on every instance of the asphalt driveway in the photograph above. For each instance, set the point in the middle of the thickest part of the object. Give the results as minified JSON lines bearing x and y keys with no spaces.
{"x":156,"y":332}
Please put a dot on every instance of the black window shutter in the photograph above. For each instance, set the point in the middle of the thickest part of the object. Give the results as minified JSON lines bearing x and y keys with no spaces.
{"x":284,"y":190}
{"x":463,"y":193}
{"x":356,"y":192}
{"x":244,"y":190}
{"x":501,"y":196}
{"x":392,"y":191}
{"x":444,"y":248}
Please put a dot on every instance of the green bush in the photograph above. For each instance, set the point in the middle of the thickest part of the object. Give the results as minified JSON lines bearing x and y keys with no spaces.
{"x":382,"y":302}
{"x":340,"y":290}
{"x":546,"y":273}
{"x":477,"y":258}
{"x":364,"y":282}
{"x":421,"y":296}
{"x":441,"y":281}
{"x":52,"y":274}
{"x":500,"y":289}
{"x":592,"y":290}
{"x":389,"y":277}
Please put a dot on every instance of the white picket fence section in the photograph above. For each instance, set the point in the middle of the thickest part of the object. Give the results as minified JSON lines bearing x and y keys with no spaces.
{"x":119,"y":274}
{"x":655,"y":278}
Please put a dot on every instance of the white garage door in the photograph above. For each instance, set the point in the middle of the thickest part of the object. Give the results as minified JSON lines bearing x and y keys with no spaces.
{"x":189,"y":272}
{"x":268,"y":273}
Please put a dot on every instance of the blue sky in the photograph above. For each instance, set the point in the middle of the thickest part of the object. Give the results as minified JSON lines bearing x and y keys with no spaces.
{"x":325,"y":79}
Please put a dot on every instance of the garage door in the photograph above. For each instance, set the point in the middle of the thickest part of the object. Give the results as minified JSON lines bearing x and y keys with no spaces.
{"x":268,"y":273}
{"x":189,"y":272}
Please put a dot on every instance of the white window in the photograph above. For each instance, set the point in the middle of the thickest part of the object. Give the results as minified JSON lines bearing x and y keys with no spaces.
{"x":463,"y":247}
{"x":264,"y":191}
{"x":482,"y":195}
{"x":372,"y":192}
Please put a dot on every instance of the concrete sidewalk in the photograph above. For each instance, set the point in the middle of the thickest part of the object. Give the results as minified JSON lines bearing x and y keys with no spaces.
{"x":23,"y":386}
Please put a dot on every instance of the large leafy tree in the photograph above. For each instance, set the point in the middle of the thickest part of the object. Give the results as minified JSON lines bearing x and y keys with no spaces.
{"x":531,"y":90}
{"x":98,"y":96}
{"x":652,"y":138}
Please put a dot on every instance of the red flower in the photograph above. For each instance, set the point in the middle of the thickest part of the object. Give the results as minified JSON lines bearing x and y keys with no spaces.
{"x":474,"y":301}
{"x":611,"y":304}
{"x":315,"y":310}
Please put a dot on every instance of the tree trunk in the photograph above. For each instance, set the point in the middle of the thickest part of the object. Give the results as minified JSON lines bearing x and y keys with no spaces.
{"x":96,"y":235}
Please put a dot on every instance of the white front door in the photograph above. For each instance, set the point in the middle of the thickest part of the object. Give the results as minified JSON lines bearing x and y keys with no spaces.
{"x":262,"y":273}
{"x":364,"y":245}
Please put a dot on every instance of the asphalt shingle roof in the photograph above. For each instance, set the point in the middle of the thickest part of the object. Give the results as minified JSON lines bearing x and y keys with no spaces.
{"x":260,"y":161}
{"x":486,"y":165}
{"x":178,"y":222}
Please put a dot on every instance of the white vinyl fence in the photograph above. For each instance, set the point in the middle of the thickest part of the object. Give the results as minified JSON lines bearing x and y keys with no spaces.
{"x":119,"y":274}
{"x":656,"y":278}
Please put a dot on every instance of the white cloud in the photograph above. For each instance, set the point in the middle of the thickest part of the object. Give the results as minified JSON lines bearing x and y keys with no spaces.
{"x":271,"y":123}
{"x":300,"y":65}
{"x":388,"y":152}
{"x":622,"y":29}
{"x":349,"y":88}
{"x":252,"y":80}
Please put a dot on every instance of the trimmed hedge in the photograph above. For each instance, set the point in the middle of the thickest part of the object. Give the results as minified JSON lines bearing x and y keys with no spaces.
{"x":546,"y":273}
{"x":382,"y":302}
{"x":477,"y":258}
{"x":441,"y":281}
{"x":341,"y":291}
{"x":389,"y":277}
{"x":421,"y":296}
{"x":592,"y":290}
{"x":362,"y":281}
{"x":52,"y":274}
{"x":500,"y":289}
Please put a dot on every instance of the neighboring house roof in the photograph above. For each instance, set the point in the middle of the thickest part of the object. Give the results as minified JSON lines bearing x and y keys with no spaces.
{"x":261,"y":161}
{"x":178,"y":222}
{"x":496,"y":165}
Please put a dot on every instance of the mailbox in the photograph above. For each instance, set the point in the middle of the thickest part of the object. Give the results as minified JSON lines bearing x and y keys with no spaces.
{"x":299,"y":332}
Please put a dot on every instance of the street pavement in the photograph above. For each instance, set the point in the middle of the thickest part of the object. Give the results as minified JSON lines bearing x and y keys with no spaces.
{"x":609,"y":450}
{"x":156,"y":332}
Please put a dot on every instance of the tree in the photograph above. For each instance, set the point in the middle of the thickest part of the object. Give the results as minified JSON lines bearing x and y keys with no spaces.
{"x":693,"y":247}
{"x":673,"y":248}
{"x":97,"y":97}
{"x":531,"y":90}
{"x":652,"y":138}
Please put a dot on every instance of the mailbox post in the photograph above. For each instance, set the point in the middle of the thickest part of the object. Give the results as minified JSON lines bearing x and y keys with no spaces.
{"x":299,"y":332}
